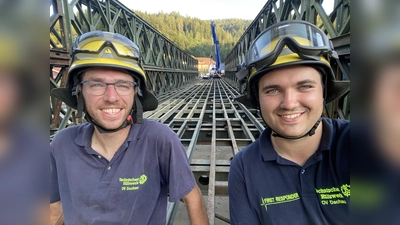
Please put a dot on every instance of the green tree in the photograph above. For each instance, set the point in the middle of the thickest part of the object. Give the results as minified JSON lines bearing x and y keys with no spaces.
{"x":194,"y":35}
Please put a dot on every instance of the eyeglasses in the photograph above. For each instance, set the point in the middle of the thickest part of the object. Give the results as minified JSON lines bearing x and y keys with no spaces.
{"x":95,"y":87}
{"x":300,"y":37}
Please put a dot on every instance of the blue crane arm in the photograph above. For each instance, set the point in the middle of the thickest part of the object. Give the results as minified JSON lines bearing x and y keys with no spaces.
{"x":216,"y":44}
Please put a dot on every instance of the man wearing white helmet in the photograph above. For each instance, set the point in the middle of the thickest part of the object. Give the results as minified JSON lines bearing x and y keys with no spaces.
{"x":297,"y":172}
{"x":119,"y":168}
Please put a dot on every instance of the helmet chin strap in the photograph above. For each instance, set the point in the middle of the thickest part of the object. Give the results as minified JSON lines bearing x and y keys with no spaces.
{"x":136,"y":115}
{"x":309,"y":133}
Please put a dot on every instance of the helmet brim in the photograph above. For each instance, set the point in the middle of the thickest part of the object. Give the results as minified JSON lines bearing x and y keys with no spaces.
{"x":247,"y":100}
{"x":64,"y":94}
{"x":339,"y":89}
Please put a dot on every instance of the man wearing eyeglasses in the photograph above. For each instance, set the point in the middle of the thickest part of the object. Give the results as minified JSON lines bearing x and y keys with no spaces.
{"x":297,"y":172}
{"x":118,"y":168}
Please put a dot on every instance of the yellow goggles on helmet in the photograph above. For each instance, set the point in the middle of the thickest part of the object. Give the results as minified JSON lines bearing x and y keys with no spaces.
{"x":288,"y":37}
{"x":99,"y":42}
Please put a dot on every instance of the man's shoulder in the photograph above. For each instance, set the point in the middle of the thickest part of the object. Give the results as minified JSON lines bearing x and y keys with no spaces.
{"x":338,"y":128}
{"x":336,"y":136}
{"x":70,"y":133}
{"x":338,"y":124}
{"x":154,"y":123}
{"x":249,"y":153}
{"x":156,"y":128}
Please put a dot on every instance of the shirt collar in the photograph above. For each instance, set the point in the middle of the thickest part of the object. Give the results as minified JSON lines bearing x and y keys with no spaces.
{"x":85,"y":132}
{"x":84,"y":136}
{"x":267,"y":150}
{"x":327,"y":135}
{"x":269,"y":154}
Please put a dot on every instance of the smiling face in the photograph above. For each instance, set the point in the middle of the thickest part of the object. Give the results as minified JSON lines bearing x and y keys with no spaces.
{"x":109,"y":110}
{"x":291,"y":99}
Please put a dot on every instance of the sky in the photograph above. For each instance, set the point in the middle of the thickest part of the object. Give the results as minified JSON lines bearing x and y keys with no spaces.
{"x":206,"y":9}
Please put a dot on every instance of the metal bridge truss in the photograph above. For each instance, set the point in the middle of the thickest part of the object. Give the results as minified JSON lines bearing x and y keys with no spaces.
{"x":211,"y":125}
{"x":167,"y":65}
{"x":336,"y":25}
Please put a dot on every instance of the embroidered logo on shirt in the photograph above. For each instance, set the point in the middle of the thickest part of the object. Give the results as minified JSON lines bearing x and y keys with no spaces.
{"x":132,"y":184}
{"x":334,"y":195}
{"x":345,"y":190}
{"x":279,"y":199}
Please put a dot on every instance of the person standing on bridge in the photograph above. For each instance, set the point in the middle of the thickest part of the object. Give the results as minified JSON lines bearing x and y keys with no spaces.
{"x":118,"y":168}
{"x":297,"y":172}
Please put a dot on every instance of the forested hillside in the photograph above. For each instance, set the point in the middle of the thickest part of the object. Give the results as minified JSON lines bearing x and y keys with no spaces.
{"x":194,"y":35}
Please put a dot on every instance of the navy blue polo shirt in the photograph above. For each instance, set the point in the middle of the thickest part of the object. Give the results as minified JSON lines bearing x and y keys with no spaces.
{"x":150,"y":168}
{"x":24,"y":176}
{"x":265,"y":188}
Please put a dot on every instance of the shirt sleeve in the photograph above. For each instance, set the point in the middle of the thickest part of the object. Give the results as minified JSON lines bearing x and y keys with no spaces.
{"x":54,"y":191}
{"x":175,"y":168}
{"x":240,"y":209}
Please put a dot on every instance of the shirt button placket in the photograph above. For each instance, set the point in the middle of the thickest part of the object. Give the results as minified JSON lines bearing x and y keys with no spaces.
{"x":302,"y":177}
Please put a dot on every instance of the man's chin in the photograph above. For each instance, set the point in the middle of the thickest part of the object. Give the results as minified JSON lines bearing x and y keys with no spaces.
{"x":110,"y":126}
{"x":292,"y":135}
